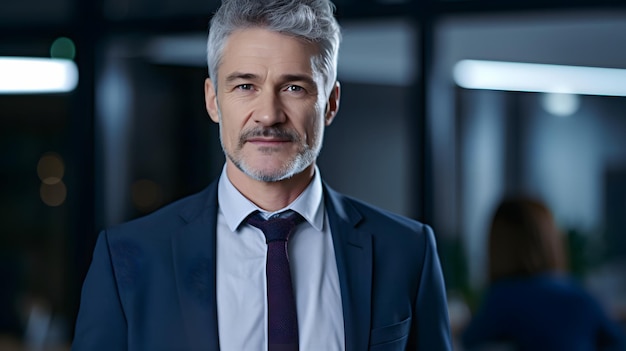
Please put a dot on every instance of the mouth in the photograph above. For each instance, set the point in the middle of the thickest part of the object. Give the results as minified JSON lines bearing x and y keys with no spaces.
{"x":268,"y":144}
{"x":263,"y":140}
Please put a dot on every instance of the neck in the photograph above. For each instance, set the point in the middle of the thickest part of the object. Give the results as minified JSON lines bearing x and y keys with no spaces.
{"x":270,"y":196}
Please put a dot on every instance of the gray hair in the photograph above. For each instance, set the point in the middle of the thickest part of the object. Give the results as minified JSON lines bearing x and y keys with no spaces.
{"x":311,"y":20}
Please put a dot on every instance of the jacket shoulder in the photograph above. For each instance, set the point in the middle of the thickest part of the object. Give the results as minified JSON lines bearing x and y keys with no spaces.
{"x":376,"y":220}
{"x":170,"y":217}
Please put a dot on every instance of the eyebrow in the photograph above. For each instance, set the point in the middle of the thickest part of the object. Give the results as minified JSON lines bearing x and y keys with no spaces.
{"x":298,"y":78}
{"x":284,"y":78}
{"x":240,"y":75}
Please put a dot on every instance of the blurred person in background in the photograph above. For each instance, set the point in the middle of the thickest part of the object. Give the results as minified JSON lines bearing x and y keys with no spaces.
{"x":531,"y":304}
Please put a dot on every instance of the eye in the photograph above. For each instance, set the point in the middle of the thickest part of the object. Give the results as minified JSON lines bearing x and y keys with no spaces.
{"x":244,"y":87}
{"x":294,"y":88}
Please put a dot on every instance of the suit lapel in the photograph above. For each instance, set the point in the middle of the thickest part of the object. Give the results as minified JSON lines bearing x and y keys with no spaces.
{"x":194,"y":253}
{"x":353,"y":251}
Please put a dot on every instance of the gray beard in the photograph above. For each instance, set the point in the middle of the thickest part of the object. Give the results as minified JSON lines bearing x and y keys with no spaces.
{"x":297,"y":165}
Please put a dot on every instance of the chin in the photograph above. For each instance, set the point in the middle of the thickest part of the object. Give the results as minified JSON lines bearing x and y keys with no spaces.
{"x":268,"y":177}
{"x":276,"y":168}
{"x":263,"y":172}
{"x":273,"y":174}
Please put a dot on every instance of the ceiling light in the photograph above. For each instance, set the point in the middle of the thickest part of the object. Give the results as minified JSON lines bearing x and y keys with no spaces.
{"x":29,"y":75}
{"x":531,"y":77}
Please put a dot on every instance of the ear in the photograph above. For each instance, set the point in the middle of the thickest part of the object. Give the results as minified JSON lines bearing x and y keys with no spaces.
{"x":332,"y":105}
{"x":210,"y":100}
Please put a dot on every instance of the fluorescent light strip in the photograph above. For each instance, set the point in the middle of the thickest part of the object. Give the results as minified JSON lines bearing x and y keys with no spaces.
{"x":530,"y":77}
{"x":28,"y":75}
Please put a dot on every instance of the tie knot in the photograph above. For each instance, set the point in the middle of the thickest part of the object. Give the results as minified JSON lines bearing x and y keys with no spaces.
{"x":276,"y":228}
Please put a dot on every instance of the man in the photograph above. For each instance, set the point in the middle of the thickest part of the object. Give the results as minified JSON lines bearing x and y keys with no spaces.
{"x":193,"y":275}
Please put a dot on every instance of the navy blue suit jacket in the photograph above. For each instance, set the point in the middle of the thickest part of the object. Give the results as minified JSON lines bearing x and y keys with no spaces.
{"x":151,"y":283}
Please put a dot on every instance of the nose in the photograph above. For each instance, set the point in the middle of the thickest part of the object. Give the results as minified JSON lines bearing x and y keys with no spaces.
{"x":269,"y":110}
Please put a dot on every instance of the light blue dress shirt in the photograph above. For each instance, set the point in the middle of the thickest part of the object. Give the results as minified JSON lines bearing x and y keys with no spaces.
{"x":241,"y":284}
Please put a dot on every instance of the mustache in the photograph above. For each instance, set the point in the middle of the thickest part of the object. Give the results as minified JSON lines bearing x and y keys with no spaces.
{"x":269,"y":132}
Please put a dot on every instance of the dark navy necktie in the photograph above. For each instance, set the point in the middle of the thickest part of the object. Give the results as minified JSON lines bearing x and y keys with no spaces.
{"x":281,"y":303}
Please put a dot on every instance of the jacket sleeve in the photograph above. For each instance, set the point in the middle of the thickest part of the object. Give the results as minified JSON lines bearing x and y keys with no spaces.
{"x":101,"y":324}
{"x":431,"y":308}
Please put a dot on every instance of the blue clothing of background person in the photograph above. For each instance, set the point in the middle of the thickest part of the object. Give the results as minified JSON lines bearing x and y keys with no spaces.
{"x":543,"y":312}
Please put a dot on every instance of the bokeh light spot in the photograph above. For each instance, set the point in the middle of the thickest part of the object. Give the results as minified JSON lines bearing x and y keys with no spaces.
{"x":50,"y":168}
{"x":560,"y":104}
{"x":53,"y":195}
{"x":146,"y":195}
{"x":63,"y":48}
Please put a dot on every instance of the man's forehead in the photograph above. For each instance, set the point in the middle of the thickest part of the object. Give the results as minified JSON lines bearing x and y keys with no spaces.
{"x":261,"y":41}
{"x":259,"y":51}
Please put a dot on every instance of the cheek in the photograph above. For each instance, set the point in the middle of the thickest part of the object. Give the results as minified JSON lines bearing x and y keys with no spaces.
{"x":315,"y":130}
{"x":228,"y":135}
{"x":318,"y":121}
{"x":230,"y":128}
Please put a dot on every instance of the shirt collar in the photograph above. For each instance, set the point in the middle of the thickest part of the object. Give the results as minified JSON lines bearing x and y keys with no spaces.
{"x":236,"y":208}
